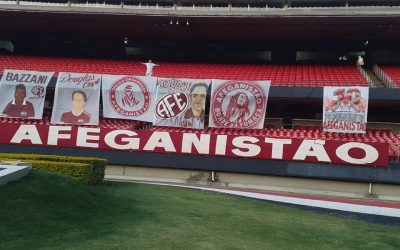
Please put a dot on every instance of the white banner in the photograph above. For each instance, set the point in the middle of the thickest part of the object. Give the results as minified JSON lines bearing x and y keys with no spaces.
{"x":22,"y":93}
{"x":129,"y":97}
{"x":181,"y":102}
{"x":238,"y":104}
{"x":345,"y":109}
{"x":77,"y":99}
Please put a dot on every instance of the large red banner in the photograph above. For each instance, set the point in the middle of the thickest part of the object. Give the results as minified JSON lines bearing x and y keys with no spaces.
{"x":290,"y":149}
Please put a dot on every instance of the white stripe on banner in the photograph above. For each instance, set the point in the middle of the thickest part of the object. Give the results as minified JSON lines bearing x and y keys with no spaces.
{"x":129,"y":97}
{"x":238,"y":104}
{"x":345,"y":109}
{"x":22,"y":93}
{"x":181,"y":102}
{"x":77,"y":99}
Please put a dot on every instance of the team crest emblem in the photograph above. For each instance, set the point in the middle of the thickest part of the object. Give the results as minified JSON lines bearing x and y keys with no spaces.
{"x":171,"y":105}
{"x":129,"y":96}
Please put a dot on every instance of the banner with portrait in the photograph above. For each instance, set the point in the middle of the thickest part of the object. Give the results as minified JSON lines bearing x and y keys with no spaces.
{"x":77,"y":99}
{"x":22,"y":93}
{"x":181,"y":102}
{"x":238,"y":104}
{"x":345,"y":109}
{"x":129,"y":97}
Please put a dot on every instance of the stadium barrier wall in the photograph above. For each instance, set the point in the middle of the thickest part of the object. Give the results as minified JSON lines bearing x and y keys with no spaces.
{"x":310,"y":186}
{"x":243,"y":146}
{"x":388,"y":175}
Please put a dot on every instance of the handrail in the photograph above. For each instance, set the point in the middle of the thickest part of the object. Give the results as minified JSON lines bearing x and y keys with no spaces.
{"x":366,"y":76}
{"x":389,"y":83}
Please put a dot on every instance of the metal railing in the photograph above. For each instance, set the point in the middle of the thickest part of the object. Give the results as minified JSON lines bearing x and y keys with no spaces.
{"x":366,"y":76}
{"x":389,"y":83}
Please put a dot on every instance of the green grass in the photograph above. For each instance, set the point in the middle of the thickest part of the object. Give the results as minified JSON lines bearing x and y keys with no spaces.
{"x":47,"y":211}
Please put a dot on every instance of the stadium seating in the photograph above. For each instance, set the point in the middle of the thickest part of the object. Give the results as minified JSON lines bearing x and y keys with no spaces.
{"x":280,"y":75}
{"x":393,"y":72}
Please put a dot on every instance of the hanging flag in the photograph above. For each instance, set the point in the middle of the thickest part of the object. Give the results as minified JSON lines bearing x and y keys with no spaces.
{"x":238,"y":104}
{"x":181,"y":102}
{"x":22,"y":93}
{"x":129,"y":97}
{"x":77,"y":98}
{"x":345,"y":109}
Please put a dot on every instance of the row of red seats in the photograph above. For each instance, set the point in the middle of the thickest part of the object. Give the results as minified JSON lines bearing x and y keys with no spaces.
{"x":280,"y":75}
{"x":382,"y":135}
{"x":104,"y":123}
{"x":393,"y":72}
{"x":371,"y":135}
{"x":297,"y":131}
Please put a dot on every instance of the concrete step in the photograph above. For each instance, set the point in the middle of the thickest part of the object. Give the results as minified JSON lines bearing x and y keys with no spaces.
{"x":11,"y":171}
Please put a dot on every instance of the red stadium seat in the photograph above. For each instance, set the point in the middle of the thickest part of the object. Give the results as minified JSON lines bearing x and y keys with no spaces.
{"x":287,"y":75}
{"x":393,"y":72}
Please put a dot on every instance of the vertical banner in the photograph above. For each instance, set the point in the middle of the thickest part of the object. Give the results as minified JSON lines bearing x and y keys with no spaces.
{"x":77,"y":99}
{"x":22,"y":93}
{"x":238,"y":104}
{"x":181,"y":102}
{"x":345,"y":109}
{"x":129,"y":97}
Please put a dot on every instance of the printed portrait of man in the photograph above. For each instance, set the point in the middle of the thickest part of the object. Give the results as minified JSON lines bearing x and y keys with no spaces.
{"x":77,"y":115}
{"x":194,"y":115}
{"x":19,"y":107}
{"x":238,"y":108}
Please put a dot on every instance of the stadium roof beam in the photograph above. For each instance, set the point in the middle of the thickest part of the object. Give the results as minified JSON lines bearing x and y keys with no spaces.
{"x":358,"y":24}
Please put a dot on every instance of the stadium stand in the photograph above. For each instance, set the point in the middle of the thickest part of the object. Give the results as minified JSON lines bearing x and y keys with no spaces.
{"x":280,"y":75}
{"x":392,"y":75}
{"x":233,"y":40}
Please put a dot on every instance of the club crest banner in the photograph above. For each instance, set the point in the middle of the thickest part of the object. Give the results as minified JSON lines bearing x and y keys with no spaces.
{"x":129,"y":97}
{"x":345,"y":109}
{"x":181,"y":102}
{"x":238,"y":104}
{"x":76,"y":99}
{"x":22,"y":93}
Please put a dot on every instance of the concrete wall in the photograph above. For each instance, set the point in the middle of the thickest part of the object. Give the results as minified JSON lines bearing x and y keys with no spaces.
{"x":258,"y":182}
